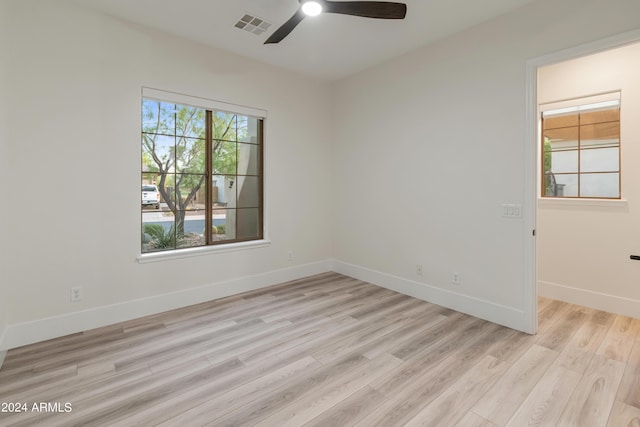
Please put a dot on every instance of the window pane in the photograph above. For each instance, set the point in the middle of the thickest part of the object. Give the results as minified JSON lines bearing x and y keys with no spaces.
{"x":158,"y":152}
{"x":561,"y":121}
{"x":600,"y":160}
{"x":562,"y":139}
{"x":224,"y":221}
{"x":193,"y":221}
{"x":558,"y":185}
{"x":190,"y":155}
{"x":190,"y":121}
{"x":551,"y":186}
{"x":564,"y":161}
{"x":224,"y":157}
{"x":150,"y":178}
{"x":150,"y":194}
{"x":248,"y":223}
{"x":248,"y":159}
{"x":224,"y":191}
{"x":611,"y":115}
{"x":248,"y":129}
{"x":249,"y":191}
{"x":149,"y":164}
{"x":158,"y":117}
{"x":158,"y":231}
{"x":190,"y":229}
{"x":219,"y":225}
{"x":224,"y":126}
{"x":600,"y":185}
{"x":599,"y":135}
{"x":188,"y":191}
{"x":168,"y":188}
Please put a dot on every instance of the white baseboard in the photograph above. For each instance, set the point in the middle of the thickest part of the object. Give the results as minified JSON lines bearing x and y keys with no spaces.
{"x":3,"y":353}
{"x":19,"y":334}
{"x":53,"y":327}
{"x":503,"y":315}
{"x":600,"y":301}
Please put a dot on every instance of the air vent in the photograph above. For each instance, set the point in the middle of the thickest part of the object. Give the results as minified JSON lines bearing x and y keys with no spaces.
{"x":253,"y":24}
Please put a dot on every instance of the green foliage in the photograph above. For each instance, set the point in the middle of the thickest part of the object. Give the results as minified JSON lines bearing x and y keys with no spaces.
{"x":221,"y":229}
{"x":549,"y":184}
{"x":224,"y":160}
{"x":148,"y":164}
{"x":547,"y":155}
{"x":159,"y":238}
{"x":155,"y":231}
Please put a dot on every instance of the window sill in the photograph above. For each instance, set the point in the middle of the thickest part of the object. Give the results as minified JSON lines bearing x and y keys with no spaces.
{"x":599,"y":203}
{"x":200,"y":251}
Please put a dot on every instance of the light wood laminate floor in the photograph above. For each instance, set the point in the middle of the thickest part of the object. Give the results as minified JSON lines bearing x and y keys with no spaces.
{"x":331,"y":351}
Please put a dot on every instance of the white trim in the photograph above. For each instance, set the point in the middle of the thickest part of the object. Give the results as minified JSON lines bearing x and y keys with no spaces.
{"x":31,"y":332}
{"x":473,"y":306}
{"x":531,"y":159}
{"x":586,"y":49}
{"x":200,"y":251}
{"x":195,"y":101}
{"x":600,"y":301}
{"x":561,"y":202}
{"x":576,"y":105}
{"x":53,"y":327}
{"x":615,"y":95}
{"x":529,"y":210}
{"x":3,"y":335}
{"x":3,"y":347}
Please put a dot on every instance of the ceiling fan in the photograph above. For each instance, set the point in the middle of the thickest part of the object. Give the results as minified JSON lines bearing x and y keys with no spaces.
{"x":366,"y":9}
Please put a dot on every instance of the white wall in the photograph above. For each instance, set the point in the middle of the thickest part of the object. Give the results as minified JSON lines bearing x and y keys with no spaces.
{"x":74,"y":112}
{"x":444,"y":122}
{"x":447,"y":122}
{"x":584,"y":248}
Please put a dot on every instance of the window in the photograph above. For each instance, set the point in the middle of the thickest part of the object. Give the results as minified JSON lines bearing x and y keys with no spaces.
{"x":202,"y":175}
{"x":581,"y":150}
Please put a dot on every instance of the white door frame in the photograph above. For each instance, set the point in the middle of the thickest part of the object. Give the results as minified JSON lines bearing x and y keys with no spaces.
{"x":531,"y":156}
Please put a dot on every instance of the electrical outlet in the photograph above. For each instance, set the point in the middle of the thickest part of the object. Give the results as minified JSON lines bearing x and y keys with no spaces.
{"x":419,"y":270}
{"x":76,"y":293}
{"x":455,"y":278}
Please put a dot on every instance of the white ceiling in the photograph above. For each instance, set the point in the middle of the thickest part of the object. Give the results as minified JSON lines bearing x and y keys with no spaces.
{"x":328,"y":46}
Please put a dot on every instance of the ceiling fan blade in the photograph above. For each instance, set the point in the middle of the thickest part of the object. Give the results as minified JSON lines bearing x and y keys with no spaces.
{"x":286,"y":28}
{"x":367,"y":9}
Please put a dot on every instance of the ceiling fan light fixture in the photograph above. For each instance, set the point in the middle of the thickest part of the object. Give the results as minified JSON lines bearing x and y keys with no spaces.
{"x":312,"y":8}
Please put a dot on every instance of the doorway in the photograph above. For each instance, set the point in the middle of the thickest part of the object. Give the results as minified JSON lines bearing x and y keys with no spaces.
{"x":563,"y":266}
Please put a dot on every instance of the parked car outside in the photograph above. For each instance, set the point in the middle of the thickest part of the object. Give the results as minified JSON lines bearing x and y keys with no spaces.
{"x":150,"y":195}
